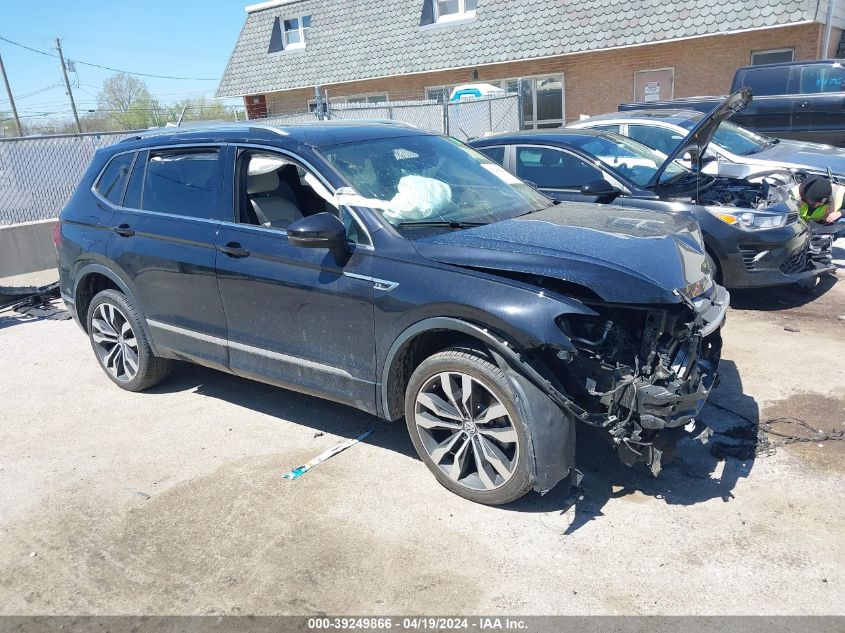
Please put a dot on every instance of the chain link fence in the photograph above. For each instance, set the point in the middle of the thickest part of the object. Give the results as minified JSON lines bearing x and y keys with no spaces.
{"x":463,"y":120}
{"x":38,"y":174}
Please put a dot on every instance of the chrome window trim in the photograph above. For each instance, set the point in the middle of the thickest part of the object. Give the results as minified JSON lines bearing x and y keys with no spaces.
{"x":250,"y":349}
{"x":316,"y":172}
{"x":116,"y":207}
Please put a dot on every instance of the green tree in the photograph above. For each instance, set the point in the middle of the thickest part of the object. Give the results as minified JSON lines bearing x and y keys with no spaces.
{"x":125,"y":103}
{"x":199,"y":109}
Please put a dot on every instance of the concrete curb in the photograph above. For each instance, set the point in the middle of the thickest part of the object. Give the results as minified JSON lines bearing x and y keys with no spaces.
{"x":26,"y":248}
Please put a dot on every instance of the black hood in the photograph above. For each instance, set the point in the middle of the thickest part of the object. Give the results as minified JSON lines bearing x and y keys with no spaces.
{"x":699,"y":137}
{"x":622,"y":255}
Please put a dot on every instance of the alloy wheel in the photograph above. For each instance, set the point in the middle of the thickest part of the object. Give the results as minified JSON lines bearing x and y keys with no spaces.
{"x":115,"y":342}
{"x":466,"y":431}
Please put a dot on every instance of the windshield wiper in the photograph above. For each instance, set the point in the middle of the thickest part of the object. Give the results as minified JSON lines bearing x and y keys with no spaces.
{"x":452,"y":224}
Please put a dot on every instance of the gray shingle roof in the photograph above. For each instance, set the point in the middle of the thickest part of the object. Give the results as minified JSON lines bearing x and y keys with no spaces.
{"x":352,"y":40}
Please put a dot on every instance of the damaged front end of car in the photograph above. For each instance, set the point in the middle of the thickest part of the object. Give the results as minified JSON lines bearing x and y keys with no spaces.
{"x":641,"y":374}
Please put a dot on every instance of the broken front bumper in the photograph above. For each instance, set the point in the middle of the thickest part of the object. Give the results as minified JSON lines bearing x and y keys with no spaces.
{"x":648,"y":409}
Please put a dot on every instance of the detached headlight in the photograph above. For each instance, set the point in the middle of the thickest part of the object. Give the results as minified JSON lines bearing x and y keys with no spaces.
{"x":748,"y":220}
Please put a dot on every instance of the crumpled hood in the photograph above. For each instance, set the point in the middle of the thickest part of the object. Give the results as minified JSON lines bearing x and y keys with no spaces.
{"x":623,"y":255}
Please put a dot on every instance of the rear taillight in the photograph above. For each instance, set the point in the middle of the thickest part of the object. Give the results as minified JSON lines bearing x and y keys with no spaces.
{"x":57,"y":234}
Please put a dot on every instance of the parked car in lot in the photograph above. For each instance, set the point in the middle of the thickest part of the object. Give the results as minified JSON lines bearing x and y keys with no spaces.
{"x":796,"y":100}
{"x":404,"y":274}
{"x":751,"y":229}
{"x":734,"y":151}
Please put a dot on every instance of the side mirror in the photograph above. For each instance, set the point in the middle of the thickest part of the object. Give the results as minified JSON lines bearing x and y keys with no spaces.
{"x":321,"y":230}
{"x":602,"y":190}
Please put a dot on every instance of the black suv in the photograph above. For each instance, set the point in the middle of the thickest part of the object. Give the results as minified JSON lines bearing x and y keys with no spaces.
{"x":404,"y":274}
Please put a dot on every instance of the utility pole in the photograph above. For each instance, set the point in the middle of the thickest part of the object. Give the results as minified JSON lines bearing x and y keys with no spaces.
{"x":67,"y":85}
{"x":828,"y":26}
{"x":11,"y":98}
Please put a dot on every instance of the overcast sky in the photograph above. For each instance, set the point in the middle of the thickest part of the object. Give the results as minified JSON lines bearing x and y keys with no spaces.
{"x":184,"y":38}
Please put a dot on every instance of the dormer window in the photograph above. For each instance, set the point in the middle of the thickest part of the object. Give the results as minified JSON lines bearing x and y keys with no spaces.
{"x":448,"y":10}
{"x":289,"y":34}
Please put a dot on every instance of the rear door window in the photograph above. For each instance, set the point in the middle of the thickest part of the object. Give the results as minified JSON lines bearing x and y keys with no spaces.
{"x":551,"y":168}
{"x":658,"y":138}
{"x":183,"y":182}
{"x":767,"y":81}
{"x":112,"y":181}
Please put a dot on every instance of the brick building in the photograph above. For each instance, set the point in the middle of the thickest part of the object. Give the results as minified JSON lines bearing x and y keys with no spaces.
{"x":572,"y":57}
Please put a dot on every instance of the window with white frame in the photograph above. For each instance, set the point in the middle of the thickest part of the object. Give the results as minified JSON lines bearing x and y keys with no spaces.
{"x":289,"y":33}
{"x":446,"y":10}
{"x":776,"y":56}
{"x":438,"y":93}
{"x":368,"y":98}
{"x":543,"y":99}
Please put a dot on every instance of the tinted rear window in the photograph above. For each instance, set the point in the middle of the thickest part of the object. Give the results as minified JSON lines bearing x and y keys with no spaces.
{"x":496,"y":154}
{"x":767,"y":81}
{"x":183,"y":182}
{"x":113,"y":180}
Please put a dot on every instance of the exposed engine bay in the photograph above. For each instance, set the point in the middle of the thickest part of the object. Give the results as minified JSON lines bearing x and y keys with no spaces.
{"x":642,"y":374}
{"x":761,"y":195}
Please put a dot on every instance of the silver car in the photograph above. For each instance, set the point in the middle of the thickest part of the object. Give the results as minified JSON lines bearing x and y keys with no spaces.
{"x":734,"y":151}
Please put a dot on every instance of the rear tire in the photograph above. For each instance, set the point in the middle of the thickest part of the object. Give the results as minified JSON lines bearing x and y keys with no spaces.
{"x":465,"y":425}
{"x":120,"y":343}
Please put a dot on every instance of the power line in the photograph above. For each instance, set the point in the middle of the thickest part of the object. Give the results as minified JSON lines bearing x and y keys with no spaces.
{"x":116,"y":70}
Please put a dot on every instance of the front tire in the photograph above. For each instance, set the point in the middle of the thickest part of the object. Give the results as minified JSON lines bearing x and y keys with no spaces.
{"x":120,"y":343}
{"x":464,"y":424}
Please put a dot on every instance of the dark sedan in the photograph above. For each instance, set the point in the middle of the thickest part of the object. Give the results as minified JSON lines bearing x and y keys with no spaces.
{"x":751,"y":230}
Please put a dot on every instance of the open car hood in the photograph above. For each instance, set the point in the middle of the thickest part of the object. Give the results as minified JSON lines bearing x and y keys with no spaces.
{"x":699,"y":137}
{"x":622,"y":255}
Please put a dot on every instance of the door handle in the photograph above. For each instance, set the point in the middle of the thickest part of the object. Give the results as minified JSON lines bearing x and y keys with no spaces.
{"x":233,"y":249}
{"x":124,"y":230}
{"x":805,"y":104}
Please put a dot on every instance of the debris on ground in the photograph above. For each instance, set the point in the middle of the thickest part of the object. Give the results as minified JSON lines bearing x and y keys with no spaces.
{"x":791,"y":329}
{"x":331,"y":452}
{"x":752,"y":439}
{"x":41,"y":303}
{"x":139,"y":493}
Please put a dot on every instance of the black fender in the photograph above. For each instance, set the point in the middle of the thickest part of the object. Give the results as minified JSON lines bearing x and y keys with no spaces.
{"x":94,"y":267}
{"x":551,"y":427}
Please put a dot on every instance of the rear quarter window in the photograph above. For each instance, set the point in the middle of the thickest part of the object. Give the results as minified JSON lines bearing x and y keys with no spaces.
{"x":112,"y":181}
{"x":766,"y":81}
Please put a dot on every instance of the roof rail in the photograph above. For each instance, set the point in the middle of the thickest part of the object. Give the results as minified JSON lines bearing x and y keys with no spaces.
{"x":171,"y":131}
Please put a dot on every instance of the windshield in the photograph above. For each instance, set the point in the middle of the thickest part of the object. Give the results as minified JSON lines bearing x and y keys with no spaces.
{"x":734,"y":139}
{"x":430,"y":179}
{"x":628,"y":158}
